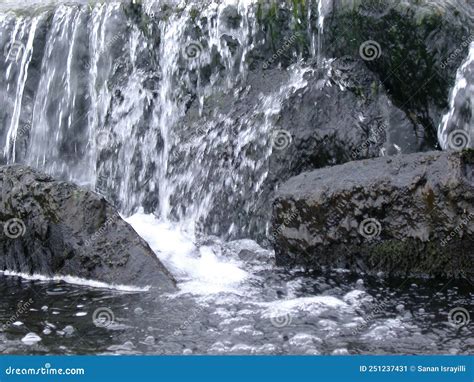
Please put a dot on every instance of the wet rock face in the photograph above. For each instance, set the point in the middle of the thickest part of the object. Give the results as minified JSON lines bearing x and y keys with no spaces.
{"x":394,"y":37}
{"x":341,"y":116}
{"x":309,"y":132}
{"x":409,"y":214}
{"x":56,"y":228}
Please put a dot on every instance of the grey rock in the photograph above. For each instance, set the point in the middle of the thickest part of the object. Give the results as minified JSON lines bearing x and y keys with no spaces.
{"x":56,"y":228}
{"x":406,"y":215}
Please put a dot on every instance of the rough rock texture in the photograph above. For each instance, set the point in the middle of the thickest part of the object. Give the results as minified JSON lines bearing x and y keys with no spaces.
{"x":321,"y":135}
{"x":397,"y":36}
{"x":56,"y":228}
{"x":409,"y":214}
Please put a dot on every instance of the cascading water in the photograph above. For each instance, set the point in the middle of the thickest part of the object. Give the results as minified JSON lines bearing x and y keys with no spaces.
{"x":110,"y":101}
{"x":456,"y":130}
{"x":120,"y":97}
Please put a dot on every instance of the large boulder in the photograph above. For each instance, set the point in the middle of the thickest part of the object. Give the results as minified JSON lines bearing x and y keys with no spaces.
{"x":408,"y":214}
{"x":56,"y":228}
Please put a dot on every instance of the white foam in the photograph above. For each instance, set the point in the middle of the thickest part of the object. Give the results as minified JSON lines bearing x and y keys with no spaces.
{"x":311,"y":305}
{"x":199,"y":271}
{"x":76,"y":281}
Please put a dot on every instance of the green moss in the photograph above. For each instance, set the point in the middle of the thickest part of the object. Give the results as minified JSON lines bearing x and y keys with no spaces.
{"x":468,"y":156}
{"x":194,"y":13}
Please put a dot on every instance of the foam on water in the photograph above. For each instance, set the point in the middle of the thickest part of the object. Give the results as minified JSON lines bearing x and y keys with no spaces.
{"x":74,"y":280}
{"x":200,"y":270}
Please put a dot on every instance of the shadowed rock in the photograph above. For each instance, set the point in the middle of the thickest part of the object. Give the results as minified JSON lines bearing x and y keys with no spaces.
{"x":410,"y":214}
{"x":56,"y":228}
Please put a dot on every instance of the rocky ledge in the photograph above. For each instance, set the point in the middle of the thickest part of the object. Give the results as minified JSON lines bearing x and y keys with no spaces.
{"x":405,"y":215}
{"x":56,"y":228}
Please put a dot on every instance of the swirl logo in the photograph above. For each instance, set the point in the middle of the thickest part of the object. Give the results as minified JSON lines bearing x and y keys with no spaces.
{"x":370,"y":50}
{"x":459,"y":317}
{"x":193,"y":50}
{"x":104,"y":139}
{"x":281,"y":139}
{"x":12,"y":50}
{"x":459,"y":140}
{"x":103,"y":317}
{"x":281,"y":320}
{"x":370,"y":228}
{"x":14,"y":228}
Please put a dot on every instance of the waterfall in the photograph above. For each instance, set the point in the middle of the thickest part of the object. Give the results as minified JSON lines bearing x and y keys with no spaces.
{"x":324,"y":7}
{"x":456,"y":130}
{"x":116,"y":97}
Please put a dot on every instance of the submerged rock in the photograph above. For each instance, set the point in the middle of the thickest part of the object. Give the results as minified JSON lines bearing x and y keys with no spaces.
{"x":56,"y":228}
{"x":410,"y":214}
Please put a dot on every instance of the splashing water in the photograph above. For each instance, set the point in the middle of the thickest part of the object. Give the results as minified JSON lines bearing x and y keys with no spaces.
{"x":456,"y":130}
{"x":116,"y":97}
